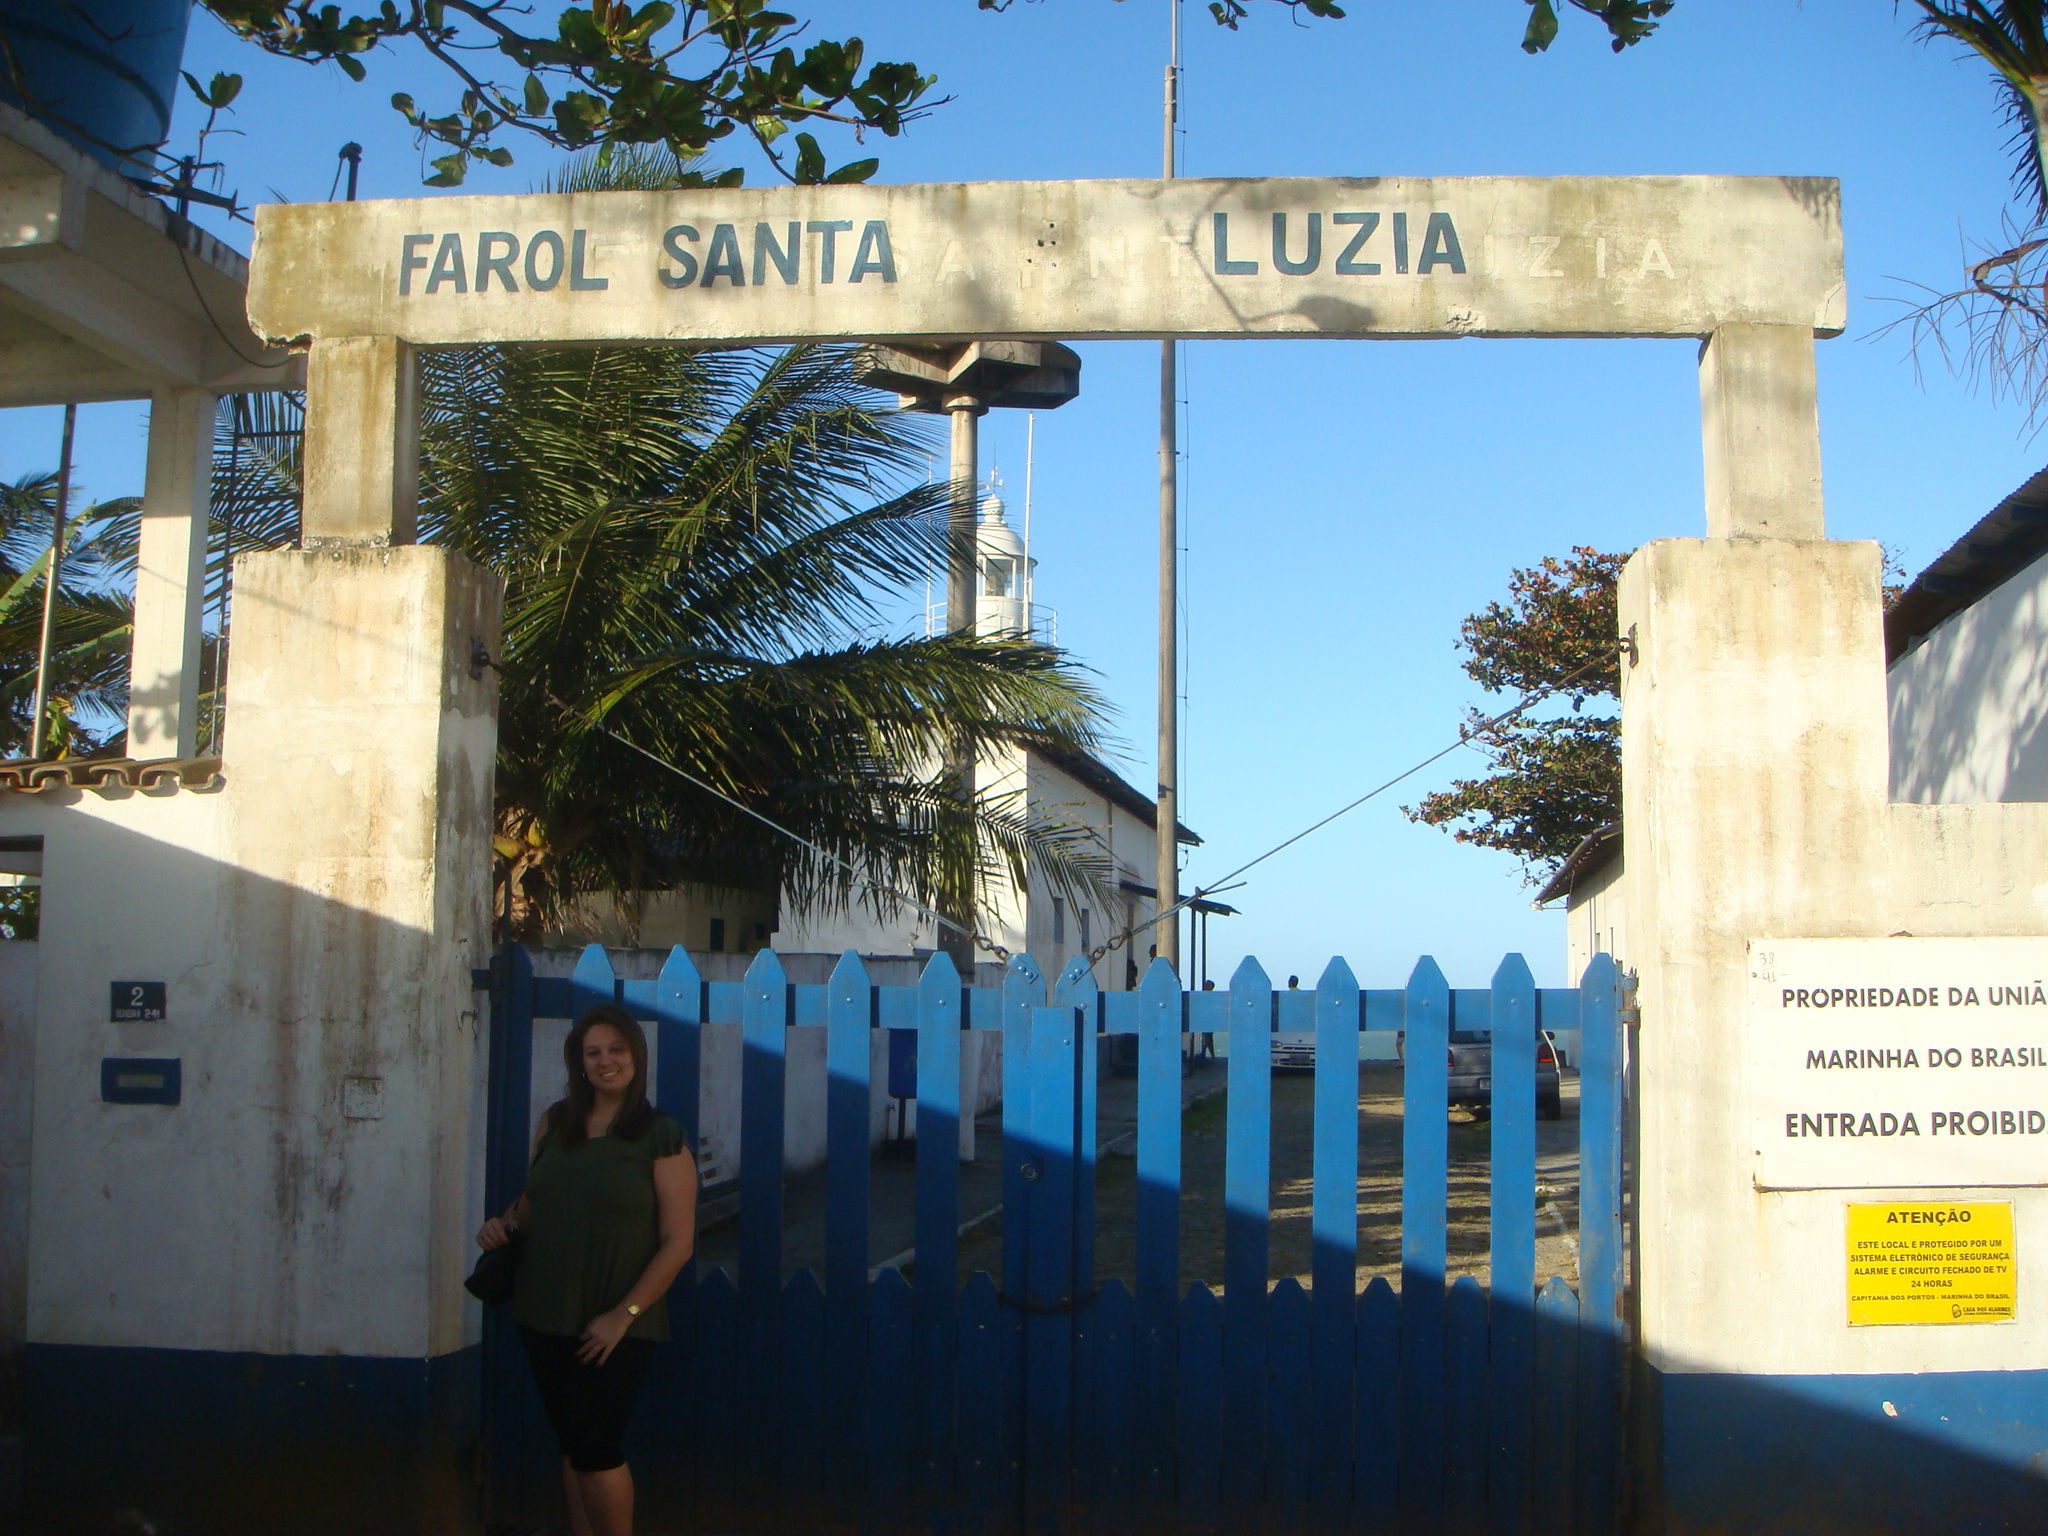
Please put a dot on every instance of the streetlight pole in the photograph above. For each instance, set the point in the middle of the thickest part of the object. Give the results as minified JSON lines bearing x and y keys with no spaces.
{"x":1166,"y":877}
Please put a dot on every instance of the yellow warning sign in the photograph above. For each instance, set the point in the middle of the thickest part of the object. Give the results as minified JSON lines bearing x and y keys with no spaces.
{"x":1947,"y":1261}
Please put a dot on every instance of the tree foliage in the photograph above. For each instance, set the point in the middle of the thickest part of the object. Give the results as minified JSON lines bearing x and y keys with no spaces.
{"x":1555,"y":775}
{"x":685,"y":74}
{"x":94,"y":620}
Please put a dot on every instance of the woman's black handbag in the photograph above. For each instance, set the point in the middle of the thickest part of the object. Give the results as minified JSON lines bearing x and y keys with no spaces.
{"x":492,"y":1279}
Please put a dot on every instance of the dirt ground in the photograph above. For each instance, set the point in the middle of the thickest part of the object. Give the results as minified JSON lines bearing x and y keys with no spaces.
{"x":1379,"y":1190}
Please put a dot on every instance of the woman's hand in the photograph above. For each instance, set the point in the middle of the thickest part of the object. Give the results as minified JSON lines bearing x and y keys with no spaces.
{"x":495,"y":1233}
{"x":603,"y":1335}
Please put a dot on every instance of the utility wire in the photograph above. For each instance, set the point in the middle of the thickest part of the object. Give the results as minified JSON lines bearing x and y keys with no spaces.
{"x":1465,"y":738}
{"x":713,"y":790}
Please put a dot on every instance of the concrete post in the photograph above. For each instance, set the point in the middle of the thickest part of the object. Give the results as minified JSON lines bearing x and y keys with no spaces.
{"x":298,"y":1224}
{"x":362,"y":445}
{"x":1761,"y":423}
{"x":963,"y":584}
{"x":170,"y":576}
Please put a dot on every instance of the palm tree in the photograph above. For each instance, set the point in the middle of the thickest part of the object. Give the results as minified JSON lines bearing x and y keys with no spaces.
{"x":94,"y":627}
{"x":699,"y":551}
{"x":694,"y":545}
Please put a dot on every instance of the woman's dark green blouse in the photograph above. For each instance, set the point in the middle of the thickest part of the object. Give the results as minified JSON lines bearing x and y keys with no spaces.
{"x":592,"y":1226}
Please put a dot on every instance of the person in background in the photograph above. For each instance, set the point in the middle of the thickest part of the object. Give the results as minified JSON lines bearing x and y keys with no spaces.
{"x":610,"y":1216}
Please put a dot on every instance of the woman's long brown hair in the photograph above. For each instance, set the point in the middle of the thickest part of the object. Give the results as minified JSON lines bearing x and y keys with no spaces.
{"x":569,"y":1119}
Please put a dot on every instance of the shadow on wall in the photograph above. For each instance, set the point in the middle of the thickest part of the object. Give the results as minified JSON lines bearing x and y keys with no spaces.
{"x":1969,"y":706}
{"x":247,"y":1313}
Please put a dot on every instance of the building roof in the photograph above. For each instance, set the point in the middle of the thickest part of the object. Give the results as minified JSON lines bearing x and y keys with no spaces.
{"x":1093,"y":773}
{"x":1596,"y":850}
{"x":2004,"y":542}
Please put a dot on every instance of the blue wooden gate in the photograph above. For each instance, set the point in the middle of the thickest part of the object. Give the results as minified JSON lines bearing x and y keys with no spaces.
{"x":1041,"y":1402}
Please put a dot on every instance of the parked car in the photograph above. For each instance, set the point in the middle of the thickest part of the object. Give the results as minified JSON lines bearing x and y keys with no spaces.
{"x":1294,"y":1050}
{"x":1471,"y":1071}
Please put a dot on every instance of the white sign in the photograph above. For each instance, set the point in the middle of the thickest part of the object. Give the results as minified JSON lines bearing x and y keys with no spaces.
{"x":1897,"y":1063}
{"x":1342,"y":256}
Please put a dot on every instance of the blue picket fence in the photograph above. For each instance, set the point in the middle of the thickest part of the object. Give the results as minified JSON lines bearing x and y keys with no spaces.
{"x":1040,"y":1401}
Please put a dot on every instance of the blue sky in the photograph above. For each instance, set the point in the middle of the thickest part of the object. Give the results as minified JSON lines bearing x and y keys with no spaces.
{"x":1345,"y":504}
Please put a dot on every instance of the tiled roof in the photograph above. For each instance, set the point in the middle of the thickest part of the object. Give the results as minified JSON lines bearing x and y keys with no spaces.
{"x":31,"y":775}
{"x":1596,"y":850}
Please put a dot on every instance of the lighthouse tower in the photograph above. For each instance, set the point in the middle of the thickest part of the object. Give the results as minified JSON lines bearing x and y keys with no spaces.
{"x":1002,"y":603}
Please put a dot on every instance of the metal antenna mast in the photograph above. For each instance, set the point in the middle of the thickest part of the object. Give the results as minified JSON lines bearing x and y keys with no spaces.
{"x":1166,"y":878}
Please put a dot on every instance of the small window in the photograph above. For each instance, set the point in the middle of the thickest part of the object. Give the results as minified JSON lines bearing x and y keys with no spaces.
{"x":1059,"y":920}
{"x":718,"y":935}
{"x":761,"y":934}
{"x":996,"y":577}
{"x":1086,"y":943}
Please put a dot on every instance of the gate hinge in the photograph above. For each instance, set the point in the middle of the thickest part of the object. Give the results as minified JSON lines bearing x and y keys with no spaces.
{"x":1631,"y":1002}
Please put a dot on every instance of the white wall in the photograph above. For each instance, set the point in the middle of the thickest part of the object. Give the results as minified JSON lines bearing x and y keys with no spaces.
{"x":1969,"y":703}
{"x":315,"y":922}
{"x":1596,"y":918}
{"x":1754,"y":751}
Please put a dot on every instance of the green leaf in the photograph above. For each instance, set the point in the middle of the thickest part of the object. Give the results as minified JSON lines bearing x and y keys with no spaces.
{"x":853,"y":172}
{"x":351,"y":66}
{"x":404,"y":103}
{"x":498,"y":156}
{"x":536,"y":95}
{"x":450,"y":169}
{"x":810,"y":160}
{"x":770,"y":128}
{"x":1542,"y":31}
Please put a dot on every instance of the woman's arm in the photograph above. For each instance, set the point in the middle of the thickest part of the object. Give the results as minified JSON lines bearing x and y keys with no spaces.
{"x":498,"y":1230}
{"x":675,"y":1199}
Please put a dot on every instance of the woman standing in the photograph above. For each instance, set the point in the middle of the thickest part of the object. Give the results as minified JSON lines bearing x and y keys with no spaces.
{"x":610,"y":1213}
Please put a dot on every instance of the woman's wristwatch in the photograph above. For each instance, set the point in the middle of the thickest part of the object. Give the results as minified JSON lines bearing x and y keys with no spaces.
{"x":632,"y":1310}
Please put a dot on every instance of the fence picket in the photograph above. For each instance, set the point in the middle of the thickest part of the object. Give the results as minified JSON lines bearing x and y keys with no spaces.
{"x":934,"y":1324}
{"x":1425,"y":1188}
{"x":1555,"y":1404}
{"x":1465,"y":1481}
{"x":593,"y":981}
{"x":1289,"y":1427}
{"x":1202,"y":1446}
{"x":763,"y":1067}
{"x":1334,"y":1232}
{"x":801,"y":1422}
{"x":1510,"y":1312}
{"x":1114,"y":1392}
{"x":715,"y":1495}
{"x":1247,"y":1216}
{"x":888,"y":1427}
{"x":849,"y":1046}
{"x":1050,"y":1291}
{"x":1376,"y":1469}
{"x":982,"y":1389}
{"x":1600,"y":1246}
{"x":1158,"y":1230}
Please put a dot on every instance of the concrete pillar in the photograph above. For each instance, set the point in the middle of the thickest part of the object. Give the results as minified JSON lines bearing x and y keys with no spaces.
{"x":170,"y":576}
{"x":1761,"y":424}
{"x":260,"y":1306}
{"x":362,"y":445}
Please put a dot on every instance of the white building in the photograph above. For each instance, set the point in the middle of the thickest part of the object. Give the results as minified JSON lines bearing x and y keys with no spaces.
{"x":1967,"y":696}
{"x":1052,"y":926}
{"x":1964,"y":645}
